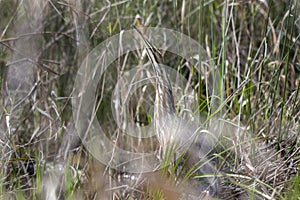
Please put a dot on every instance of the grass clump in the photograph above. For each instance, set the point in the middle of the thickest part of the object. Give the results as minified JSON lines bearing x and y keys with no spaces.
{"x":251,"y":145}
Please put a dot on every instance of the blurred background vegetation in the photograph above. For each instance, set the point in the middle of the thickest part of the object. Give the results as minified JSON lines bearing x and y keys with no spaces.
{"x":254,"y":44}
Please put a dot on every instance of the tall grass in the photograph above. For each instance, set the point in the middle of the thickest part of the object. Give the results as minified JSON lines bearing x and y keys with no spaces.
{"x":254,"y":49}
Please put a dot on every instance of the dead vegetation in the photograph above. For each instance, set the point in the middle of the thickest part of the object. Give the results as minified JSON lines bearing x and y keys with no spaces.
{"x":255,"y":46}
